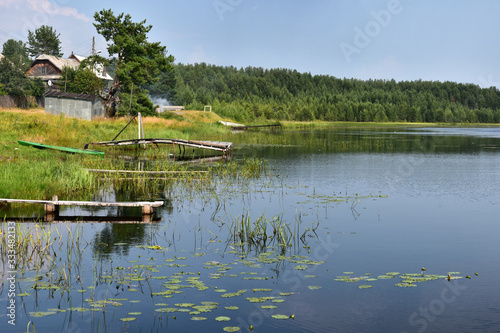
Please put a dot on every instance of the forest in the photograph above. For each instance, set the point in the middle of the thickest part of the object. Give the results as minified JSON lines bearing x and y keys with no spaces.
{"x":252,"y":93}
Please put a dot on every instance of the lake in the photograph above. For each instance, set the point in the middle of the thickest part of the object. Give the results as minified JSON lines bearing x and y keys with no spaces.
{"x":345,"y":230}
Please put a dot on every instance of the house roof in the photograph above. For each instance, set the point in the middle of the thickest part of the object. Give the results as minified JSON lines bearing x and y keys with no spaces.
{"x":59,"y":62}
{"x":60,"y":94}
{"x":74,"y":62}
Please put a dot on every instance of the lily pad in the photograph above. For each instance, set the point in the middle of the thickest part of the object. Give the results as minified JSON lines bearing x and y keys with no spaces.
{"x":262,"y":289}
{"x":314,"y":287}
{"x":231,"y":329}
{"x":184,"y":305}
{"x":78,"y":309}
{"x":231,"y":308}
{"x":167,"y":310}
{"x":42,"y":313}
{"x":365,"y":286}
{"x":128,"y":319}
{"x":222,"y":318}
{"x":280,"y":316}
{"x":300,"y":267}
{"x":198,"y":318}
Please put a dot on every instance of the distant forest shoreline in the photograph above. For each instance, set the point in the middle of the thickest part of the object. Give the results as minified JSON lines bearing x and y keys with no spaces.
{"x":283,"y":94}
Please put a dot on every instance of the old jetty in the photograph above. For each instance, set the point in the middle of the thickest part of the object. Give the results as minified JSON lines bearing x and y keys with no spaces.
{"x":224,"y":147}
{"x":52,"y":206}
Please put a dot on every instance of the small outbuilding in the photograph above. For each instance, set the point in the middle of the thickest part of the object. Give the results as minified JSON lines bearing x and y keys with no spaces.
{"x":83,"y":106}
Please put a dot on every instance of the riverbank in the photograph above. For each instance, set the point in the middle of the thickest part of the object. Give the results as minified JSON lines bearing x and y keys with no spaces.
{"x":30,"y":173}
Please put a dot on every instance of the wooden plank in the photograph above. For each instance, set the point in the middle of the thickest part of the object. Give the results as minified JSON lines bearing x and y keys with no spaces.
{"x":85,"y":219}
{"x":213,"y":145}
{"x":86,"y":203}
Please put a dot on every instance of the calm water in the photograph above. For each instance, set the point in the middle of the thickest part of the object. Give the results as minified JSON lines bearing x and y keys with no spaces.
{"x":366,"y":202}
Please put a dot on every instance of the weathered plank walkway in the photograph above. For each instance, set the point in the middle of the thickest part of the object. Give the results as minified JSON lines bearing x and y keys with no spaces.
{"x":53,"y":205}
{"x":212,"y":145}
{"x":53,"y":218}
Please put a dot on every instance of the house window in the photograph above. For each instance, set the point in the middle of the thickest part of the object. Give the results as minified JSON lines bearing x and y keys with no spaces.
{"x":44,"y":70}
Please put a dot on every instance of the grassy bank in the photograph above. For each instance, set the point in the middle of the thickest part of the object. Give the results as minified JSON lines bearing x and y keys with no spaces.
{"x":30,"y":173}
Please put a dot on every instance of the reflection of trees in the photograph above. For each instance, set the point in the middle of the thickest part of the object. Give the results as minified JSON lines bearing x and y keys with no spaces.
{"x":362,"y":140}
{"x":124,"y":235}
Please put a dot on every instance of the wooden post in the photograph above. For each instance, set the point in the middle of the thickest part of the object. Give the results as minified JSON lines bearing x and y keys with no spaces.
{"x":141,"y":128}
{"x":52,"y":208}
{"x":147,"y":210}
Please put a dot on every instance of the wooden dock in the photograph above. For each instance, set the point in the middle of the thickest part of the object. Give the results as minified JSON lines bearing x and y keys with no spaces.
{"x":53,"y":218}
{"x":52,"y":206}
{"x":224,"y":147}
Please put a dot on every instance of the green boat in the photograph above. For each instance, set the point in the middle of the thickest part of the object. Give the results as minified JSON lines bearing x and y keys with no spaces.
{"x":65,"y":149}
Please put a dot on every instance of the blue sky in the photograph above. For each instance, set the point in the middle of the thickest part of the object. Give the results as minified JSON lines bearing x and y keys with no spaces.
{"x":438,"y":40}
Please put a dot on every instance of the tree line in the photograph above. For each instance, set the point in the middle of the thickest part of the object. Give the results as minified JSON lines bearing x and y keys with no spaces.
{"x":145,"y":71}
{"x":284,"y":94}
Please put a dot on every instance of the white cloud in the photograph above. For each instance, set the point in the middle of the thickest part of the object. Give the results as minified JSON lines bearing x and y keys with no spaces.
{"x":45,"y":6}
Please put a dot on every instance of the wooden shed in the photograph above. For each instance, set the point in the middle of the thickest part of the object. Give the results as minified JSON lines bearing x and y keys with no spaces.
{"x":83,"y":106}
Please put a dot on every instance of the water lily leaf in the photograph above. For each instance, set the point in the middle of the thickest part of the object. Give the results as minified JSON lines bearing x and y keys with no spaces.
{"x":198,"y":318}
{"x":285,"y":294}
{"x":262,"y":289}
{"x":134,"y":313}
{"x":128,"y":319}
{"x":222,"y":318}
{"x":23,"y":294}
{"x":231,"y":308}
{"x":365,"y":286}
{"x":280,"y":316}
{"x":184,"y":305}
{"x":167,"y":310}
{"x":231,"y":329}
{"x":300,"y":267}
{"x":78,"y":309}
{"x":314,"y":287}
{"x":42,"y":313}
{"x":268,"y":306}
{"x":205,"y":308}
